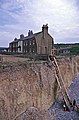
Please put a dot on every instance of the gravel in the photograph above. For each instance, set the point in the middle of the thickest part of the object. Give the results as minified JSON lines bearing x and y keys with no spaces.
{"x":33,"y":113}
{"x":57,"y":109}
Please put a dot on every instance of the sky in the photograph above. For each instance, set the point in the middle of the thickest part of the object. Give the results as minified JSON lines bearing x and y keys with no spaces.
{"x":19,"y":16}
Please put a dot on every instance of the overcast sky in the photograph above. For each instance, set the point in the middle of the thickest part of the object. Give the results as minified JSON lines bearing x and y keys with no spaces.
{"x":18,"y":16}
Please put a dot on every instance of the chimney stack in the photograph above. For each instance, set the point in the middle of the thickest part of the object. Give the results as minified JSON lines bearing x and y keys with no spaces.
{"x":21,"y":36}
{"x":45,"y":30}
{"x":30,"y":33}
{"x":15,"y":39}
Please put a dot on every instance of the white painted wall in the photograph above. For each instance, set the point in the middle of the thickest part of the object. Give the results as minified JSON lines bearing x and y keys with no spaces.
{"x":20,"y":43}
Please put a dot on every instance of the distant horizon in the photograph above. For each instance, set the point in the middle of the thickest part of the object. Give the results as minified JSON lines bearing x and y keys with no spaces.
{"x":18,"y":16}
{"x":54,"y":43}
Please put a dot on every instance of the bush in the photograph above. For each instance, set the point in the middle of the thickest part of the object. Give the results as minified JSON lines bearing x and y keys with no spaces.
{"x":74,"y":50}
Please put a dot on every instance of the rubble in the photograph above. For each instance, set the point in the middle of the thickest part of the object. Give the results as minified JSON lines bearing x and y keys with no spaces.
{"x":33,"y":113}
{"x":72,"y":114}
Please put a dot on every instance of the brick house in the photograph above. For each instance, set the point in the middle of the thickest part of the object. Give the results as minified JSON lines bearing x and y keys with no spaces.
{"x":37,"y":43}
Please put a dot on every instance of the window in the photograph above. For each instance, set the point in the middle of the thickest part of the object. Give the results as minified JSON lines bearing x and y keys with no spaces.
{"x":26,"y":44}
{"x":13,"y":45}
{"x":45,"y":50}
{"x":19,"y":48}
{"x":30,"y":42}
{"x":40,"y":49}
{"x":33,"y":42}
{"x":24,"y":50}
{"x":30,"y":50}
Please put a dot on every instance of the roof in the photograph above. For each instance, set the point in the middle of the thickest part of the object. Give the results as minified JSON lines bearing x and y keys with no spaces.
{"x":15,"y":41}
{"x":27,"y":37}
{"x":31,"y":36}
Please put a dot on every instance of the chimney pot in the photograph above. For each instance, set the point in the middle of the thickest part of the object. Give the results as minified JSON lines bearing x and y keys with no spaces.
{"x":45,"y":30}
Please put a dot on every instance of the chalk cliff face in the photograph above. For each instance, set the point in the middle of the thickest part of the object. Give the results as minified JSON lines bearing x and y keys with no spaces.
{"x":24,"y":85}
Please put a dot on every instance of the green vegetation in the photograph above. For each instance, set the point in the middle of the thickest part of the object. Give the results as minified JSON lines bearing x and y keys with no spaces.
{"x":74,"y":50}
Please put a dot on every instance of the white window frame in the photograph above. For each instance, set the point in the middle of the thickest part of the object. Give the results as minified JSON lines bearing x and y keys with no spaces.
{"x":30,"y":42}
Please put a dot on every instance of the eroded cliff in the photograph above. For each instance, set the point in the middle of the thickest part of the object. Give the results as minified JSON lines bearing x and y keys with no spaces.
{"x":25,"y":84}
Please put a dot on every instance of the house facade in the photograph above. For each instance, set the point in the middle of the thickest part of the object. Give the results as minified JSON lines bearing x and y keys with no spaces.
{"x":37,"y":43}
